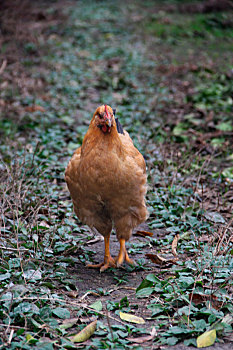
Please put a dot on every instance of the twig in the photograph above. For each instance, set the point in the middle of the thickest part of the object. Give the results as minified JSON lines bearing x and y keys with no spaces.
{"x":87,"y":293}
{"x":3,"y":66}
{"x":75,"y":303}
{"x":220,"y":241}
{"x":10,"y":337}
{"x":109,"y":324}
{"x":102,"y":314}
{"x":14,"y":249}
{"x":6,"y":325}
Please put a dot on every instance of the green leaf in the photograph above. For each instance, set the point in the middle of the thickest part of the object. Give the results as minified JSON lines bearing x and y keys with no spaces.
{"x":225,"y":126}
{"x":30,"y":339}
{"x":144,"y":284}
{"x":145,"y":292}
{"x":61,"y":312}
{"x":214,"y":217}
{"x":152,"y":278}
{"x":26,"y":308}
{"x":192,"y":341}
{"x":172,"y":341}
{"x":33,"y":275}
{"x":5,"y":276}
{"x":97,"y":305}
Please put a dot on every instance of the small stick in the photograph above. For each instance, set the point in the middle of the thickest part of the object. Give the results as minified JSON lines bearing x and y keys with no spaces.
{"x":17,"y":327}
{"x":10,"y":337}
{"x":3,"y":66}
{"x":14,"y":249}
{"x":109,"y":324}
{"x":87,"y":293}
{"x":220,"y":241}
{"x":75,"y":303}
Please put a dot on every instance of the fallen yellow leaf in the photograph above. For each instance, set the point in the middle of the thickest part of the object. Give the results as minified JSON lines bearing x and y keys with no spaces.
{"x":85,"y":333}
{"x":206,"y":339}
{"x":131,"y":318}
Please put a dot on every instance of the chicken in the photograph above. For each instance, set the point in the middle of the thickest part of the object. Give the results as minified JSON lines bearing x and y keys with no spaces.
{"x":106,"y":178}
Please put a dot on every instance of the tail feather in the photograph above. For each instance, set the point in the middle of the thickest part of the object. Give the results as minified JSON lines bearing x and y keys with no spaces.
{"x":119,"y":127}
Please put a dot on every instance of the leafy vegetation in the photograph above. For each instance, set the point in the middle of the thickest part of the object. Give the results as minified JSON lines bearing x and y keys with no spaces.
{"x":176,"y":103}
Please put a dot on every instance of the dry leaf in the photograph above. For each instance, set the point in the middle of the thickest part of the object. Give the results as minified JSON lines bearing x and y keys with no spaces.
{"x":174,"y":244}
{"x":3,"y":66}
{"x":68,"y":323}
{"x":85,"y":333}
{"x":206,"y":339}
{"x":131,"y":318}
{"x":95,"y":240}
{"x":157,"y":259}
{"x":144,"y":233}
{"x":214,"y":217}
{"x":141,"y":340}
{"x":87,"y":319}
{"x":228,"y":319}
{"x":34,"y":108}
{"x":72,"y":293}
{"x":201,"y":298}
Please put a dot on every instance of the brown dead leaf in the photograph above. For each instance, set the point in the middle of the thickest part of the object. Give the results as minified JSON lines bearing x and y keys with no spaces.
{"x":72,"y":293}
{"x":34,"y":108}
{"x":159,"y":260}
{"x":144,"y":233}
{"x":174,"y":244}
{"x":201,"y":298}
{"x":87,"y":319}
{"x":146,"y":338}
{"x":140,"y":340}
{"x":204,"y":238}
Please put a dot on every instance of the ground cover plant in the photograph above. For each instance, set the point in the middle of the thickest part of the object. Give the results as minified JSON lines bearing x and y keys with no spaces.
{"x":166,"y":66}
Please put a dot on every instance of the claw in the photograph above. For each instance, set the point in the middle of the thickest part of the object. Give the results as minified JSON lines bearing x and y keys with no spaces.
{"x":129,"y":261}
{"x":108,"y":262}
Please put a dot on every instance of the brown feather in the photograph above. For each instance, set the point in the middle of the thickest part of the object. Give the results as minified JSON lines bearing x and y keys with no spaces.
{"x":106,"y":178}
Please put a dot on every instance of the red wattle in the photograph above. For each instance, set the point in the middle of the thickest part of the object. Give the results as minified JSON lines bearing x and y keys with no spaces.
{"x":104,"y":128}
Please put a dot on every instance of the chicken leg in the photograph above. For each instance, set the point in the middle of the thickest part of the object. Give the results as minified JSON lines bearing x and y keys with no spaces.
{"x":123,"y":255}
{"x":108,"y":260}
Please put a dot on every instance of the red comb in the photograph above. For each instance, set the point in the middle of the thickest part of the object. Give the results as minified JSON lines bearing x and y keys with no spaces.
{"x":106,"y":110}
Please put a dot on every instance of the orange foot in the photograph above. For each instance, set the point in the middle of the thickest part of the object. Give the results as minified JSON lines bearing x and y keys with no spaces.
{"x":108,"y":262}
{"x":123,"y":255}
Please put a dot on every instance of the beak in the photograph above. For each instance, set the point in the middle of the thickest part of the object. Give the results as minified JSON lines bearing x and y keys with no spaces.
{"x":108,"y":122}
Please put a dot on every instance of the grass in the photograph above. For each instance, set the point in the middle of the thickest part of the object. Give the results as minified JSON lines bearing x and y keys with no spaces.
{"x":178,"y":111}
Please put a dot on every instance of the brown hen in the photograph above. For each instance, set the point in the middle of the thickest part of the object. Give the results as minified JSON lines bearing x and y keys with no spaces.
{"x":106,"y":178}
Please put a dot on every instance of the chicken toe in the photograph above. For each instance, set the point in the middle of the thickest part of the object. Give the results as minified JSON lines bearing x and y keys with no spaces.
{"x":108,"y":260}
{"x":123,"y":255}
